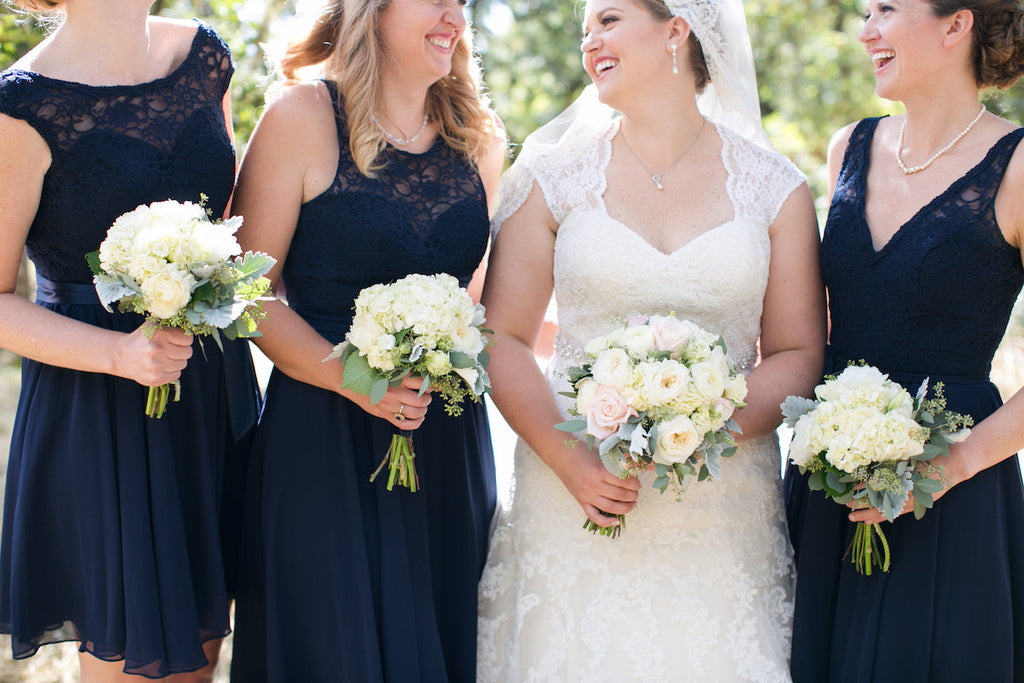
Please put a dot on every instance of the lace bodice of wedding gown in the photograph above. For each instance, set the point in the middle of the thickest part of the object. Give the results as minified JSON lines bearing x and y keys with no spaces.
{"x":693,"y":590}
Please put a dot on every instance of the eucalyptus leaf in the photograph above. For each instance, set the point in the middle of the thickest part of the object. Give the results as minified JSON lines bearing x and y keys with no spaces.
{"x":358,"y":375}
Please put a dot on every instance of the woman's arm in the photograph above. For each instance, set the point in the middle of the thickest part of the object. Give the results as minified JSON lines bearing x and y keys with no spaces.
{"x":793,"y":320}
{"x":42,"y":335}
{"x":291,"y":158}
{"x":516,"y":293}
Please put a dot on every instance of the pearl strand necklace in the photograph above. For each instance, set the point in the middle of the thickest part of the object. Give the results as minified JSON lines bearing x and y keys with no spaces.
{"x":917,"y":169}
{"x":395,"y":140}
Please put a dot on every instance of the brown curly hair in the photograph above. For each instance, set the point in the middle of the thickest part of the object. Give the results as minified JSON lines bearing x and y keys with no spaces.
{"x":998,"y":33}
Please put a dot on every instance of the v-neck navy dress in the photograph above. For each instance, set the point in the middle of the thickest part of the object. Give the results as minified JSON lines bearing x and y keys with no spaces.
{"x":933,"y":302}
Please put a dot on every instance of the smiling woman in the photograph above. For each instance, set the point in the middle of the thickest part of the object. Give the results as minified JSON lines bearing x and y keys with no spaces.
{"x":382,"y":168}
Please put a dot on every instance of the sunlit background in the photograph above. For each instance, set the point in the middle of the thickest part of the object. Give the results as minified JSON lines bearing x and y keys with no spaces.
{"x":813,"y":75}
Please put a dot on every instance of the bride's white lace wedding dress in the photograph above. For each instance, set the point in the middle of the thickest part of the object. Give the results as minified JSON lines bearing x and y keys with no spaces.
{"x":695,"y":590}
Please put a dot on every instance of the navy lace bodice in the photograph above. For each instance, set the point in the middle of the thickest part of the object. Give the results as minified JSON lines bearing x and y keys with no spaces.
{"x":115,"y":147}
{"x":936,"y":298}
{"x":424,"y":213}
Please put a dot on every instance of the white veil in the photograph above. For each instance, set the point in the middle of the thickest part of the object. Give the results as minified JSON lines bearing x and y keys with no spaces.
{"x":730,"y":99}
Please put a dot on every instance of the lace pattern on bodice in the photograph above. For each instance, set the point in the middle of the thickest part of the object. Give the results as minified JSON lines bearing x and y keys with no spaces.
{"x":114,"y":147}
{"x":949,"y":263}
{"x":423,"y":213}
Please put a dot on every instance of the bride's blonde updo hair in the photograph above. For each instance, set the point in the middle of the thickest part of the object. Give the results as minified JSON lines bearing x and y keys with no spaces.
{"x":345,"y":42}
{"x":998,"y":52}
{"x":701,"y":76}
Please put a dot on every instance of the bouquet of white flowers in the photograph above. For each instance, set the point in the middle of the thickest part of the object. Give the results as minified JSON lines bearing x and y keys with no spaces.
{"x":169,"y":262}
{"x":867,"y":439}
{"x":423,"y":326}
{"x":659,"y":390}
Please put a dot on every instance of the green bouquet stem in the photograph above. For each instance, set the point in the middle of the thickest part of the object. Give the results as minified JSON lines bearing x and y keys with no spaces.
{"x":609,"y":531}
{"x":870,"y":548}
{"x":156,"y":401}
{"x":399,"y":459}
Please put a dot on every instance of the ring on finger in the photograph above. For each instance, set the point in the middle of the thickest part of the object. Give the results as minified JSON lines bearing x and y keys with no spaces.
{"x":399,"y":416}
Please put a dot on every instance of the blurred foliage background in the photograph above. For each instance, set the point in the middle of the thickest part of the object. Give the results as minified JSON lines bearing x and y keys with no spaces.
{"x":813,"y":74}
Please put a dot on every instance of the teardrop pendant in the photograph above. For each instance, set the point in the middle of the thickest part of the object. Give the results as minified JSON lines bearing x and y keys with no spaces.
{"x":656,"y":178}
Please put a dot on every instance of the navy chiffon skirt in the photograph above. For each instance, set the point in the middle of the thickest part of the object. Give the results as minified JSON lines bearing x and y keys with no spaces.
{"x":343,"y":580}
{"x":946,"y":610}
{"x":114,"y":530}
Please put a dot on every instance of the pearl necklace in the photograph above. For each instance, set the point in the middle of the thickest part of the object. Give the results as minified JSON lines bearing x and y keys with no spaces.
{"x":917,"y":169}
{"x":395,"y":140}
{"x":656,"y":177}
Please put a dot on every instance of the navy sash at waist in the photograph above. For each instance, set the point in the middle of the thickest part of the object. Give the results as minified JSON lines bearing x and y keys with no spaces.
{"x":50,"y":292}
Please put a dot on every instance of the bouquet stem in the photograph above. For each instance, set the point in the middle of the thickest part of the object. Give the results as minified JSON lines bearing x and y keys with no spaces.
{"x":870,"y":548}
{"x":609,"y":531}
{"x":399,"y":458}
{"x":156,"y":401}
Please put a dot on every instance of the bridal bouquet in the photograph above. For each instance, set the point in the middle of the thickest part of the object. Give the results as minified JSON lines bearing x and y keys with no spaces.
{"x":425,"y":326}
{"x":169,"y":262}
{"x":659,"y":391}
{"x":867,"y":439}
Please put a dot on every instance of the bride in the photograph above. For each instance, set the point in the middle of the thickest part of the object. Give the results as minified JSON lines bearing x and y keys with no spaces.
{"x":661,"y":195}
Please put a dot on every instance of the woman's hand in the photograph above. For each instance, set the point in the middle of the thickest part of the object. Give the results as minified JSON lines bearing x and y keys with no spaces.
{"x":153,"y":358}
{"x":596,"y":489}
{"x":402,"y":406}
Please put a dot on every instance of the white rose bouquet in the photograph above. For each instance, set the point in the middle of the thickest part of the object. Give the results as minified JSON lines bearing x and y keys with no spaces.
{"x":659,"y":391}
{"x":867,"y":439}
{"x":169,"y":262}
{"x":423,"y":326}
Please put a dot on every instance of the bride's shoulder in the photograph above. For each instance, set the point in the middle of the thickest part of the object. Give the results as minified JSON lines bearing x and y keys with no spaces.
{"x":738,"y":145}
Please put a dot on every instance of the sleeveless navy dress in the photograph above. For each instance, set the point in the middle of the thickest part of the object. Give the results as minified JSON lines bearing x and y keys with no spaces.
{"x":348,"y":581}
{"x":933,"y":302}
{"x":111,"y":530}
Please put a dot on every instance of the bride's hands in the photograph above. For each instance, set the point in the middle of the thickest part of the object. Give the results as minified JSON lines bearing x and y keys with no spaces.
{"x":402,"y":406}
{"x":596,"y":489}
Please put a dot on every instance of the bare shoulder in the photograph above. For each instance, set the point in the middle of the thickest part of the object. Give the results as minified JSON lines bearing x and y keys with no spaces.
{"x":838,"y":143}
{"x":304,"y":109}
{"x":173,"y":37}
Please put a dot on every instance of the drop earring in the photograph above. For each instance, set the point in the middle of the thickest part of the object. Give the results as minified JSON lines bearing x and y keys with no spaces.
{"x":675,"y":67}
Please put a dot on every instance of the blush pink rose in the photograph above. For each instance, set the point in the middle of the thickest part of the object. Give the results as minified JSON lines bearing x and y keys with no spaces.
{"x":606,"y":411}
{"x":671,"y":334}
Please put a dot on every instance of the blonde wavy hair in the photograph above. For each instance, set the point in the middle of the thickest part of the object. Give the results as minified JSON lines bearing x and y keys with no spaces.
{"x":346,"y":43}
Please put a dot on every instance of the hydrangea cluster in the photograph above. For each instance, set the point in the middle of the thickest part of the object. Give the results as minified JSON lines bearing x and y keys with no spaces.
{"x":169,"y":262}
{"x":866,"y":440}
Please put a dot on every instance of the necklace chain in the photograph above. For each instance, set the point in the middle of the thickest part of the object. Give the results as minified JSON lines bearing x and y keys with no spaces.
{"x":401,"y":142}
{"x":917,"y":169}
{"x":656,"y":177}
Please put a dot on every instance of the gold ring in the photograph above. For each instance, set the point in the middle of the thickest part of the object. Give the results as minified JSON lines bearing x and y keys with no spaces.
{"x":398,"y":416}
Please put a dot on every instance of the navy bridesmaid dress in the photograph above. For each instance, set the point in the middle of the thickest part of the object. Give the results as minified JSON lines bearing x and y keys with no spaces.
{"x":933,"y":302}
{"x":112,"y":521}
{"x":344,"y":580}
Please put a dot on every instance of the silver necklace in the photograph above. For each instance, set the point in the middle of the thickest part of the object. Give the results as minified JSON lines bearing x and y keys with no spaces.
{"x":917,"y":169}
{"x":395,"y":140}
{"x":656,"y":177}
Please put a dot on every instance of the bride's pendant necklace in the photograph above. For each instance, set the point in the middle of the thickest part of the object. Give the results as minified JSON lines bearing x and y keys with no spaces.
{"x":394,"y":139}
{"x":656,"y":177}
{"x":917,"y":169}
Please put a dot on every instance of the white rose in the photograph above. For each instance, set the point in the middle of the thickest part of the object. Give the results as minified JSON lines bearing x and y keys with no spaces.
{"x":212,"y":243}
{"x":709,"y":379}
{"x":850,"y":380}
{"x":638,"y":340}
{"x":800,"y":452}
{"x":677,"y":440}
{"x":736,"y":389}
{"x":468,"y":340}
{"x":438,"y":363}
{"x":166,"y":293}
{"x":613,"y":368}
{"x":585,"y":392}
{"x":595,"y":346}
{"x":664,"y":382}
